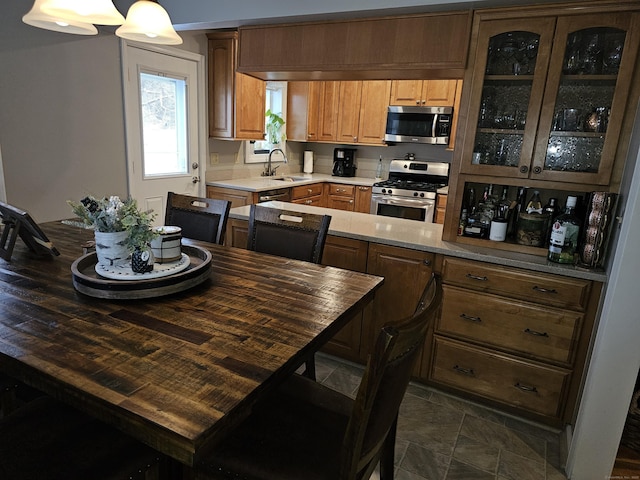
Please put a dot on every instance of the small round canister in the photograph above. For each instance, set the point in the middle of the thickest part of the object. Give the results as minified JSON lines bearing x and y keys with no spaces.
{"x":498,"y":231}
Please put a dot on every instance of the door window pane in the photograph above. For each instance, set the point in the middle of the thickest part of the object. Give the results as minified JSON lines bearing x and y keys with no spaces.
{"x":164,"y":125}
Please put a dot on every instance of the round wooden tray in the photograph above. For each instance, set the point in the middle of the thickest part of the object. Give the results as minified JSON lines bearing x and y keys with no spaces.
{"x":87,"y":281}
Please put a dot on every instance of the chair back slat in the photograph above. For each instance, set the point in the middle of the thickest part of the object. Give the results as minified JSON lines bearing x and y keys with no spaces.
{"x":203,"y":219}
{"x":384,"y":384}
{"x":289,"y":234}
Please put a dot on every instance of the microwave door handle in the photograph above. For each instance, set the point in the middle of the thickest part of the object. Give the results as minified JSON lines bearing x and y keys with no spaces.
{"x":434,"y":126}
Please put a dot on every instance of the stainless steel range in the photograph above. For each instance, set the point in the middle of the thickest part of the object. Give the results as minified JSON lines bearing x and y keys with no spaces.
{"x":410,"y":191}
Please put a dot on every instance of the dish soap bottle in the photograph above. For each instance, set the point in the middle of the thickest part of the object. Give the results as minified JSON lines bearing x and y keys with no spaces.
{"x":379,"y":170}
{"x":564,"y":234}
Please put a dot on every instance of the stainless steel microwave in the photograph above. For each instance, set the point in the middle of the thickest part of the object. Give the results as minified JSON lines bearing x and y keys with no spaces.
{"x":429,"y":125}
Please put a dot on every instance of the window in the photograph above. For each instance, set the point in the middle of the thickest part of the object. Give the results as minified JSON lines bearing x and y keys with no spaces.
{"x":164,"y":125}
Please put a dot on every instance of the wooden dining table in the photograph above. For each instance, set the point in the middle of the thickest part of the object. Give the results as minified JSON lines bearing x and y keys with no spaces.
{"x":178,"y":370}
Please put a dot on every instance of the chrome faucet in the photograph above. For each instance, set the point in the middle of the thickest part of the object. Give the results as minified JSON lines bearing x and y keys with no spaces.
{"x":269,"y":172}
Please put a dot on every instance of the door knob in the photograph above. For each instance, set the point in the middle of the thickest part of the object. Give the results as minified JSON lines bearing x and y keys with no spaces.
{"x":195,"y":179}
{"x":194,"y":165}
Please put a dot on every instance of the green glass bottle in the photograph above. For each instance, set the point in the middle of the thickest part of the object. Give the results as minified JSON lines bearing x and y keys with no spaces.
{"x":565,"y":232}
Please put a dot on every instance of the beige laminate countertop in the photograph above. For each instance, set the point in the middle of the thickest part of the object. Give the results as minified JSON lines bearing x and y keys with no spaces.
{"x":261,"y":184}
{"x":422,"y":236}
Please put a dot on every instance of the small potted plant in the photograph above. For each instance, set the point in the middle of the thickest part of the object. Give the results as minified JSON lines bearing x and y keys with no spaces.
{"x":274,"y":128}
{"x":120,"y":227}
{"x":139,"y":224}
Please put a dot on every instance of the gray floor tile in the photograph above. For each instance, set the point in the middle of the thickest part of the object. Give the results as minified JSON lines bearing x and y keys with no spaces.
{"x":443,"y":437}
{"x":425,"y":463}
{"x":480,"y":455}
{"x":461,"y":471}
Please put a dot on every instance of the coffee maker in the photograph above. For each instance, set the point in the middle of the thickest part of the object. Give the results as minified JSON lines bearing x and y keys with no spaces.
{"x":344,"y":162}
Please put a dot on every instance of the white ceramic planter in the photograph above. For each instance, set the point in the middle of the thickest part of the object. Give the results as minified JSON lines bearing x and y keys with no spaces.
{"x":111,"y":248}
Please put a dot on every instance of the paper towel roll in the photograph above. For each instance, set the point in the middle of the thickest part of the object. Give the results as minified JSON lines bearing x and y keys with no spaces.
{"x":308,"y":161}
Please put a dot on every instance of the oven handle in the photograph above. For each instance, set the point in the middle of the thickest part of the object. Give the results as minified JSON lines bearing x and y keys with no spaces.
{"x":423,"y":202}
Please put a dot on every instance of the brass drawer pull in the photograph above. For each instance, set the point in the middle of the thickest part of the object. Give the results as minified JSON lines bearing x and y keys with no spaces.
{"x":465,"y":371}
{"x":545,"y":290}
{"x":475,"y":277}
{"x":470,"y":318}
{"x":535,"y":334}
{"x":526,"y":388}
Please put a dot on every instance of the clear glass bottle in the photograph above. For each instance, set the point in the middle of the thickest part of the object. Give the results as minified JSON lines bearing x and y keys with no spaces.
{"x":565,"y":232}
{"x":552,"y":210}
{"x":379,"y":169}
{"x":512,"y":228}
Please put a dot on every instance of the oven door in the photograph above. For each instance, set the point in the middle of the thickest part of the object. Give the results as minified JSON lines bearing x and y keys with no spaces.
{"x":402,"y":207}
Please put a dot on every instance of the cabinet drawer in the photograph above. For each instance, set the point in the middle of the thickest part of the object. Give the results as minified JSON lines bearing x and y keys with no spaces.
{"x":541,"y":332}
{"x":534,"y":387}
{"x":315,"y":201}
{"x":303,"y":191}
{"x":441,"y":201}
{"x":342,"y":190}
{"x":535,"y":287}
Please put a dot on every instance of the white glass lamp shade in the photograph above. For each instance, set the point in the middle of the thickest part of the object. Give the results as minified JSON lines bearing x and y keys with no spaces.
{"x":100,"y":12}
{"x":148,"y":22}
{"x":36,"y":17}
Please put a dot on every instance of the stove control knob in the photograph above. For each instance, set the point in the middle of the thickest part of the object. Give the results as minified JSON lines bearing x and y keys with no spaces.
{"x":389,"y":192}
{"x":415,"y":194}
{"x":422,"y":194}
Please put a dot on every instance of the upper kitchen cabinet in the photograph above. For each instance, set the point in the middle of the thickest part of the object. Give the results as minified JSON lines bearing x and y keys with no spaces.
{"x":424,"y":93}
{"x":430,"y":45}
{"x":585,"y":99}
{"x":236,"y":101}
{"x":548,"y":97}
{"x":353,"y":112}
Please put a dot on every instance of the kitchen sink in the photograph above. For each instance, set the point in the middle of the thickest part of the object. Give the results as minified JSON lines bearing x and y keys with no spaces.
{"x":291,"y":179}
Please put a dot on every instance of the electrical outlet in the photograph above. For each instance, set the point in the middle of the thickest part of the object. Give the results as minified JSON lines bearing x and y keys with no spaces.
{"x":213,"y":159}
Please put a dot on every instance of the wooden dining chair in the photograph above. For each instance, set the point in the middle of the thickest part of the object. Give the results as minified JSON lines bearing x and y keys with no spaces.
{"x":295,"y":235}
{"x":47,"y":440}
{"x":203,"y":219}
{"x":308,"y":431}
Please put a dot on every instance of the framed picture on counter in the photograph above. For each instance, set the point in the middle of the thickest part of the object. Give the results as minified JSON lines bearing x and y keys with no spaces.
{"x":17,"y":222}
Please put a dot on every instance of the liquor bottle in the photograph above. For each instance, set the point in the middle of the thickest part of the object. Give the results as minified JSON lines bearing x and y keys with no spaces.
{"x":379,"y":169}
{"x":515,"y":214}
{"x":564,"y":234}
{"x":463,"y":221}
{"x":552,"y":210}
{"x":504,"y":205}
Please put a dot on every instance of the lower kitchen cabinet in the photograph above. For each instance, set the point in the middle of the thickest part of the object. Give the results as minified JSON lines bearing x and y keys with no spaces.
{"x":309,"y":195}
{"x":352,"y":255}
{"x":515,"y":338}
{"x":406,"y":273}
{"x":238,"y":198}
{"x":341,"y":197}
{"x":535,"y":387}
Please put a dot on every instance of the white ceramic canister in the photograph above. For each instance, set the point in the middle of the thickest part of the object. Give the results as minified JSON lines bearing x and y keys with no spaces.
{"x":166,"y":247}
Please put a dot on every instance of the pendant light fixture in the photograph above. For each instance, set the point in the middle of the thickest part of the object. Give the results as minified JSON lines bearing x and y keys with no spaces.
{"x":148,"y":22}
{"x":36,"y":17}
{"x":100,"y":12}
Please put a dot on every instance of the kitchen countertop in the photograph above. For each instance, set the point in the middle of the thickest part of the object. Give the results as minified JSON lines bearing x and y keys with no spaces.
{"x":422,"y":236}
{"x":261,"y":184}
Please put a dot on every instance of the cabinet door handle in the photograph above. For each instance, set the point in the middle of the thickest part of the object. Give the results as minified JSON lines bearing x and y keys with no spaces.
{"x":545,"y":290}
{"x":524,"y":169}
{"x":426,"y":262}
{"x":526,"y":388}
{"x":470,"y":318}
{"x":537,"y":170}
{"x":464,"y":371}
{"x":476,"y":277}
{"x":535,"y":334}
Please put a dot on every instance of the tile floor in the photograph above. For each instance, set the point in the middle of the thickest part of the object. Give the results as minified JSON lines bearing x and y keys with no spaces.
{"x":441,"y":437}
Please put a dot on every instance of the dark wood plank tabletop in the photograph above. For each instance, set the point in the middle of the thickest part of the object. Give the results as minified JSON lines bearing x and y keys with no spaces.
{"x":173,"y":371}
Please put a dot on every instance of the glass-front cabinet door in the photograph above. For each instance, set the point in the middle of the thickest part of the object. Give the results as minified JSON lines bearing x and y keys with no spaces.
{"x":507,"y":88}
{"x":582,"y":112}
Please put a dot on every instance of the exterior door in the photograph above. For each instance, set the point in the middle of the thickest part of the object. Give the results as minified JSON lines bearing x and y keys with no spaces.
{"x":164,"y":95}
